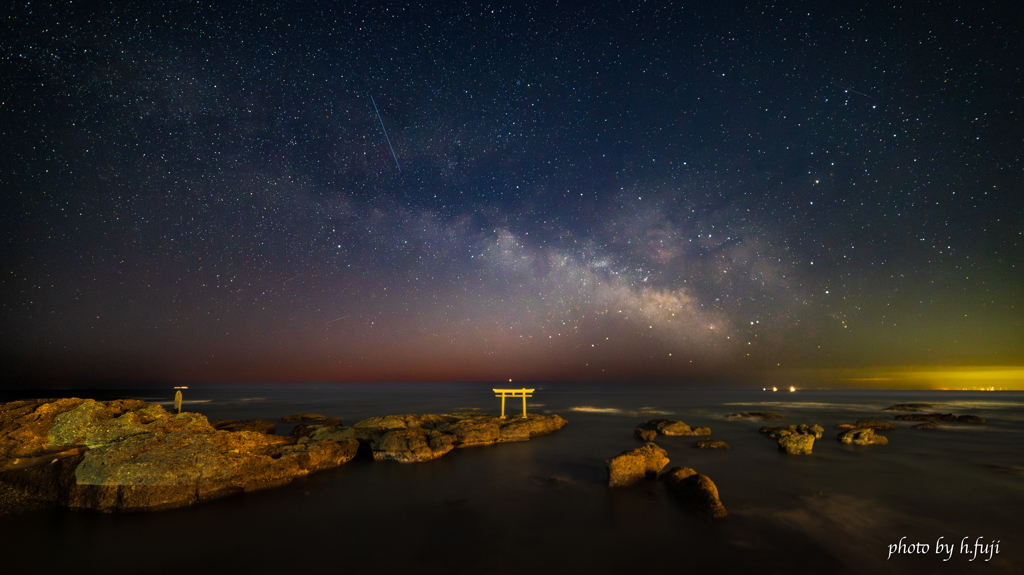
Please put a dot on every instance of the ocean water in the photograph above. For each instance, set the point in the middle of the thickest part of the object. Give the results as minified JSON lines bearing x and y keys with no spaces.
{"x":544,"y":505}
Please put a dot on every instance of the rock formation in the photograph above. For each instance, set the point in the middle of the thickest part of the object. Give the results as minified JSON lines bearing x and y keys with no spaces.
{"x":927,"y":425}
{"x":303,"y":417}
{"x":711,"y":444}
{"x":755,"y":415}
{"x":695,"y":489}
{"x":636,"y":465}
{"x":875,"y":424}
{"x":910,"y":407}
{"x":802,"y":429}
{"x":797,"y":444}
{"x":927,"y":417}
{"x":264,"y":426}
{"x":862,"y":436}
{"x":671,"y":427}
{"x":129,"y":455}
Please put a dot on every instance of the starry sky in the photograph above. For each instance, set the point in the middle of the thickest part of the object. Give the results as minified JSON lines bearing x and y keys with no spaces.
{"x":630,"y":191}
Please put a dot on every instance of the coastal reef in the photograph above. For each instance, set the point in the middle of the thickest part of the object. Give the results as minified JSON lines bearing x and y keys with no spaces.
{"x":129,"y":455}
{"x":671,"y":427}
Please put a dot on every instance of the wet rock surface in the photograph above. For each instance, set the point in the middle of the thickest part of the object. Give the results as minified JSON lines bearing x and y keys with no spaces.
{"x":910,"y":407}
{"x":257,"y":425}
{"x":711,"y":444}
{"x":696,"y":490}
{"x":128,"y":455}
{"x":862,"y":436}
{"x":754,"y":415}
{"x":636,"y":465}
{"x":803,"y":429}
{"x":303,"y":417}
{"x":670,"y":427}
{"x":798,"y":444}
{"x":927,"y":417}
{"x":874,"y":424}
{"x":927,"y":425}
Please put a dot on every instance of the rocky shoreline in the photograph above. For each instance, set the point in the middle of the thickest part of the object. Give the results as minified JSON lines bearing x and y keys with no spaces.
{"x":129,"y":455}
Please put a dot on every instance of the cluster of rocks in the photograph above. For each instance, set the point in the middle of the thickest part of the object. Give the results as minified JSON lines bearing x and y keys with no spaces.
{"x":794,"y":439}
{"x":862,"y":436}
{"x":412,"y":438}
{"x":655,"y":427}
{"x":128,"y":455}
{"x":644,"y":463}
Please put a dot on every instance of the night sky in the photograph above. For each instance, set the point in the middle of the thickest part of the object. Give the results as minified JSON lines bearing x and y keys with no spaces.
{"x":204,"y":192}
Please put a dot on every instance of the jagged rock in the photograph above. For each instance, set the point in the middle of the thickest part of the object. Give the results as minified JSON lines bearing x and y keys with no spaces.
{"x":862,"y":436}
{"x":669,"y":427}
{"x":411,"y":444}
{"x":927,"y":425}
{"x":532,"y":426}
{"x":927,"y":417}
{"x":970,"y":419}
{"x":676,"y":474}
{"x":846,"y":426}
{"x":303,"y":417}
{"x":331,"y":422}
{"x":264,"y":426}
{"x":636,"y":465}
{"x":697,"y":490}
{"x":802,"y":429}
{"x":711,"y":444}
{"x":130,"y":455}
{"x":409,"y":420}
{"x":797,"y":444}
{"x":755,"y":415}
{"x":475,"y":431}
{"x":644,"y":434}
{"x":874,"y":424}
{"x":910,"y":407}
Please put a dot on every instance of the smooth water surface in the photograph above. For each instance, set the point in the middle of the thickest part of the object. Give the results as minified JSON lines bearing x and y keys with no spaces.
{"x":544,"y":505}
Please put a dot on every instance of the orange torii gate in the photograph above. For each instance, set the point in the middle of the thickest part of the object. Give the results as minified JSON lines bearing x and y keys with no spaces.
{"x":503,"y":393}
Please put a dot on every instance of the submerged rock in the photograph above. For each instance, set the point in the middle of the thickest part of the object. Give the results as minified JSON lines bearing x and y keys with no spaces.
{"x":636,"y":465}
{"x":711,"y":444}
{"x":697,"y":490}
{"x":970,"y":419}
{"x":670,"y":427}
{"x":129,"y":455}
{"x":303,"y":417}
{"x":910,"y":407}
{"x":802,"y":429}
{"x":862,"y":436}
{"x":927,"y":417}
{"x":797,"y":444}
{"x":264,"y":426}
{"x":874,"y":424}
{"x":927,"y":425}
{"x":755,"y":415}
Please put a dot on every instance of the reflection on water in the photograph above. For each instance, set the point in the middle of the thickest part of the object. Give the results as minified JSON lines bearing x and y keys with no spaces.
{"x":544,"y":505}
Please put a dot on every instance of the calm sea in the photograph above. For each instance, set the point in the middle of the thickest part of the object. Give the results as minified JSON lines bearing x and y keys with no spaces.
{"x":543,"y":506}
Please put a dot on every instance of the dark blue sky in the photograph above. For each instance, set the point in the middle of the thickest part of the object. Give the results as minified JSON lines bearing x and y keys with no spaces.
{"x":652,"y":191}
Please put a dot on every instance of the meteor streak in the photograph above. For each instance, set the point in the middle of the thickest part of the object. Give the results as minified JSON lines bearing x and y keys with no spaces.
{"x":385,"y":134}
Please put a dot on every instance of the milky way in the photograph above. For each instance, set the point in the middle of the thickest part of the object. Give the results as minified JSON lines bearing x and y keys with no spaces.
{"x":197,"y":193}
